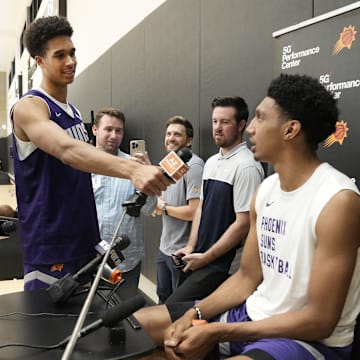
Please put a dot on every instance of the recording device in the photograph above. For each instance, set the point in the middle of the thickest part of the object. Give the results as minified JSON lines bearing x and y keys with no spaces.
{"x":134,"y":203}
{"x":8,"y":225}
{"x":63,"y":288}
{"x":179,"y":263}
{"x":121,"y":243}
{"x":116,"y":257}
{"x":111,"y":316}
{"x":137,"y":146}
{"x":174,"y":167}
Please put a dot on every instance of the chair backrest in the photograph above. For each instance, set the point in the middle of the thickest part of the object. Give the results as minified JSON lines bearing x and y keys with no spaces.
{"x":11,"y":258}
{"x":356,"y":345}
{"x":4,"y":178}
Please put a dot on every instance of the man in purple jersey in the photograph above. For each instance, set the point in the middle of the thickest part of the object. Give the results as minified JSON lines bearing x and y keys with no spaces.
{"x":296,"y":293}
{"x":52,"y":161}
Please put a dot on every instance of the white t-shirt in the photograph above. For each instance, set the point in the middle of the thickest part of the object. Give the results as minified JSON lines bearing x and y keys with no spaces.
{"x":286,"y":235}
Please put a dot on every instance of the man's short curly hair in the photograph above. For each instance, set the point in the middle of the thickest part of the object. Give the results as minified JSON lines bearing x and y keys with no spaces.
{"x":303,"y":98}
{"x":44,"y":29}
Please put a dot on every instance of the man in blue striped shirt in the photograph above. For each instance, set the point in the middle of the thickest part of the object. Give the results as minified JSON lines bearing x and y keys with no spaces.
{"x":110,"y":193}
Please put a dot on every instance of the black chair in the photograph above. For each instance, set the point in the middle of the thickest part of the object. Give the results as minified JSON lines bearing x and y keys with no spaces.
{"x":356,"y":346}
{"x":11,"y":264}
{"x":4,"y":178}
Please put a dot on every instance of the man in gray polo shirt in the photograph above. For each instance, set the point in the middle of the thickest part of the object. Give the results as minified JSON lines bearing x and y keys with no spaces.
{"x":177,"y":206}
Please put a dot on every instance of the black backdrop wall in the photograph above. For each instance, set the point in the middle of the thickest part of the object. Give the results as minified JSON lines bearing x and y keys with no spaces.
{"x":327,"y":49}
{"x":177,"y":60}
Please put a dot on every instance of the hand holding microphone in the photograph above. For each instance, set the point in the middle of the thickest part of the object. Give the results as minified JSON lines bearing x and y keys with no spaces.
{"x":174,"y":167}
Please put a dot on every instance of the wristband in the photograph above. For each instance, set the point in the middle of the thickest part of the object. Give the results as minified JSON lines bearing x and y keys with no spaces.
{"x":163,"y":210}
{"x":196,"y":322}
{"x":198,"y":313}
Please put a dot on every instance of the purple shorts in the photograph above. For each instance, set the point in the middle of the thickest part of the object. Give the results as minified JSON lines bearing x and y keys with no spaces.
{"x":278,"y":348}
{"x":42,"y":276}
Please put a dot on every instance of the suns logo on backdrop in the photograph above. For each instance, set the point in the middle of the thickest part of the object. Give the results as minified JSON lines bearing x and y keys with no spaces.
{"x":347,"y":37}
{"x":338,"y":136}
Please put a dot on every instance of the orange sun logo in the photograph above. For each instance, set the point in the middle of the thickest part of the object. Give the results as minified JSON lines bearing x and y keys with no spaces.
{"x":339,"y":135}
{"x":347,"y":37}
{"x":57,"y":267}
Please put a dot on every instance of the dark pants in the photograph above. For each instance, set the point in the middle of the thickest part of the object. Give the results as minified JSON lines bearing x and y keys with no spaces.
{"x":199,"y":284}
{"x":168,"y":277}
{"x":129,"y":287}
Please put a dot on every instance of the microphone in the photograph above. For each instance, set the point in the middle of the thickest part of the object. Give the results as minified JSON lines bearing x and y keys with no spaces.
{"x":121,"y":243}
{"x":116,"y":256}
{"x":174,"y":167}
{"x":174,"y":164}
{"x":110,"y":272}
{"x":111,"y":275}
{"x":111,"y":316}
{"x":63,"y":288}
{"x":7,"y":226}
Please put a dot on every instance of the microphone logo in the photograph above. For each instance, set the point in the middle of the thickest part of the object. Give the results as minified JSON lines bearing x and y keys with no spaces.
{"x":173,"y":165}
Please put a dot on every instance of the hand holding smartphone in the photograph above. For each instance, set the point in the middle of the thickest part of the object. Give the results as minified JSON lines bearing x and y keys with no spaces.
{"x":178,"y":262}
{"x":137,"y":146}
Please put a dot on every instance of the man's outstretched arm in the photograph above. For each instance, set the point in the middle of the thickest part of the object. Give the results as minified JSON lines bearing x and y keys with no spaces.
{"x":32,"y":123}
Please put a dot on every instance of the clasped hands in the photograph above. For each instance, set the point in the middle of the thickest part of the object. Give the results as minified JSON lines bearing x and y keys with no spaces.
{"x":184,"y":341}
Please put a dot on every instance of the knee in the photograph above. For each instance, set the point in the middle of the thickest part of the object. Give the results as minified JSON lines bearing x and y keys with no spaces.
{"x":154,"y":320}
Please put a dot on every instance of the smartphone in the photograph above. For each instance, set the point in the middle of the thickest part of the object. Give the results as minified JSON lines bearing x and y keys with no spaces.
{"x":137,"y":146}
{"x":178,"y":262}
